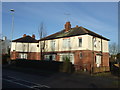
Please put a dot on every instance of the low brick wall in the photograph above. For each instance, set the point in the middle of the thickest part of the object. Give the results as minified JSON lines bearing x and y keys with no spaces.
{"x":101,"y":69}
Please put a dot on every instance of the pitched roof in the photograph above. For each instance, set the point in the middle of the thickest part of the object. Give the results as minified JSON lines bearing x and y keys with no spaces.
{"x":73,"y":32}
{"x":26,"y":39}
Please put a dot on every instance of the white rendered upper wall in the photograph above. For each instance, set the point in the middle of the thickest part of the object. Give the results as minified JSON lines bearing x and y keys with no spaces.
{"x":87,"y":44}
{"x":24,"y":47}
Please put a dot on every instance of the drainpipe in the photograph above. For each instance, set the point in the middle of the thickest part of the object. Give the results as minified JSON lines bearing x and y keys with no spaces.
{"x":92,"y":64}
{"x":101,"y":53}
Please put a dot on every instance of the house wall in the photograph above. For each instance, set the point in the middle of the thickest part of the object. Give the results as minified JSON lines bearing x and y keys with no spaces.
{"x":87,"y":44}
{"x":31,"y":49}
{"x":24,"y":47}
{"x":103,"y":47}
{"x":5,"y":45}
{"x":88,"y":51}
{"x":30,"y":55}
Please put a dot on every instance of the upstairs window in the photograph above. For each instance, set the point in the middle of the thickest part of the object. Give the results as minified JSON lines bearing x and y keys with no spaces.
{"x":53,"y":45}
{"x":66,"y":43}
{"x":80,"y":42}
{"x":95,"y":42}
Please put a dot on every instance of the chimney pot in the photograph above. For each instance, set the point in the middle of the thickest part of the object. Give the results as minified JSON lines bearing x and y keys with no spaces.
{"x":67,"y":26}
{"x":77,"y":26}
{"x":24,"y":35}
{"x":33,"y":36}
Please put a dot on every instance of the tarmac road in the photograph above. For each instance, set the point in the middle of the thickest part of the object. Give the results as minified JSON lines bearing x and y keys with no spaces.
{"x":26,"y":79}
{"x":15,"y":79}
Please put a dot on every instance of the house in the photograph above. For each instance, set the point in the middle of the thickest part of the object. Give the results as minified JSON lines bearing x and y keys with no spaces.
{"x":85,"y":49}
{"x":26,"y":47}
{"x":5,"y":45}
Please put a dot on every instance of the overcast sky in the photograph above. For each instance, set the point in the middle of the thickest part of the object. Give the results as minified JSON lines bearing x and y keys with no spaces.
{"x":100,"y":17}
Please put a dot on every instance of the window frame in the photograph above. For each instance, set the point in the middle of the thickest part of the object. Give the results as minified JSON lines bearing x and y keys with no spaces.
{"x":52,"y":45}
{"x":66,"y":43}
{"x":81,"y":55}
{"x":79,"y":42}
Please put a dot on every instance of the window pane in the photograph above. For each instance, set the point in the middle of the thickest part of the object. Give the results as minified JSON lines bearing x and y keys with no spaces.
{"x":80,"y":42}
{"x":66,"y":43}
{"x":52,"y":45}
{"x":80,"y":55}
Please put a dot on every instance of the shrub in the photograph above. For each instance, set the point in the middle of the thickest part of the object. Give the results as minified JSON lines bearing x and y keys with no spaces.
{"x":67,"y":65}
{"x":5,"y":58}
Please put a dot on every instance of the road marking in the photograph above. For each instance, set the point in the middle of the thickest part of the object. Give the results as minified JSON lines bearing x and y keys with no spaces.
{"x":25,"y":81}
{"x":17,"y":83}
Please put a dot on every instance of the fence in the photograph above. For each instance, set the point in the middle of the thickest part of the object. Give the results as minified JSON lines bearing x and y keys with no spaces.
{"x":101,"y":69}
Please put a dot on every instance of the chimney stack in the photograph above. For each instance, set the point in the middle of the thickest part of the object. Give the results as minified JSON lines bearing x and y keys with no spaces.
{"x":67,"y":26}
{"x":24,"y":35}
{"x":77,"y":26}
{"x":33,"y":36}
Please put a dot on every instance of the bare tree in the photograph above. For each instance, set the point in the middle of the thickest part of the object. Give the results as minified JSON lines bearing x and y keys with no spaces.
{"x":42,"y":33}
{"x":113,"y":49}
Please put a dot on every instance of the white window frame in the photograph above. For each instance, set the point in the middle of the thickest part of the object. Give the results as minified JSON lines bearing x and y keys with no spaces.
{"x":23,"y":55}
{"x":79,"y":43}
{"x":69,"y":55}
{"x":66,"y":43}
{"x":52,"y":44}
{"x":95,"y":42}
{"x":98,"y":60}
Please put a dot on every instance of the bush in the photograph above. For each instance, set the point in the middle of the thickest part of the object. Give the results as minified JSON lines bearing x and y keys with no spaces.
{"x":114,"y":70}
{"x":5,"y":58}
{"x":55,"y":66}
{"x":39,"y":64}
{"x":67,"y":66}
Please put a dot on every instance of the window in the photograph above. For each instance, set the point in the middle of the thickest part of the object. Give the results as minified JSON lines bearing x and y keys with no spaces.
{"x":66,"y":43}
{"x":95,"y":42}
{"x":81,"y":55}
{"x":80,"y":42}
{"x":47,"y":57}
{"x":53,"y":45}
{"x":99,"y":44}
{"x":70,"y":56}
{"x":50,"y":57}
{"x":23,"y":56}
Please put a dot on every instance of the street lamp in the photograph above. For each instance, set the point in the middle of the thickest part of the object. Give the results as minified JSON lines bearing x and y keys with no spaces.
{"x":12,"y":29}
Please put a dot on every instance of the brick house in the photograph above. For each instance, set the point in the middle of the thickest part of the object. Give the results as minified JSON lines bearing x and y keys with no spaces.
{"x":25,"y":47}
{"x":84,"y":48}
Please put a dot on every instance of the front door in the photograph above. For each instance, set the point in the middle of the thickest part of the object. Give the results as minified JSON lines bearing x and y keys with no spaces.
{"x":98,"y":60}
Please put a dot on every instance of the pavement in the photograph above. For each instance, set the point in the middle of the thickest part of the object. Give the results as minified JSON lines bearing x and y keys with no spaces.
{"x":29,"y":78}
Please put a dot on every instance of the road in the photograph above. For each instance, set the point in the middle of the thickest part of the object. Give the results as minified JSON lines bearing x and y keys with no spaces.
{"x":19,"y":79}
{"x":16,"y":79}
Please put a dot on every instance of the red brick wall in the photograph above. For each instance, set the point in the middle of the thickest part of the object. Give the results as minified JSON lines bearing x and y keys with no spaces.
{"x":31,"y":55}
{"x":88,"y":59}
{"x":85,"y":62}
{"x":34,"y":56}
{"x":105,"y":59}
{"x":14,"y":55}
